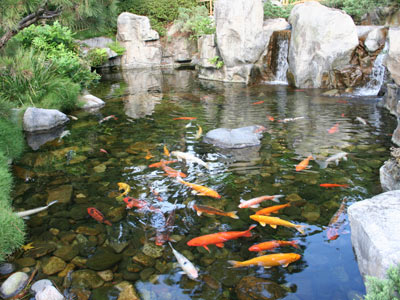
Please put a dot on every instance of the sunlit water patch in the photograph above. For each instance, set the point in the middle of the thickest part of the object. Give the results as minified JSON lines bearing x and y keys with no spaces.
{"x":299,"y":123}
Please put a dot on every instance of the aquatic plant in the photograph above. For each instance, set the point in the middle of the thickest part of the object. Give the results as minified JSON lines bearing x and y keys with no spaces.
{"x":384,"y":289}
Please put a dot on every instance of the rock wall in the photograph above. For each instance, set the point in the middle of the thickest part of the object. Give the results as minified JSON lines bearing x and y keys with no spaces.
{"x":393,"y":58}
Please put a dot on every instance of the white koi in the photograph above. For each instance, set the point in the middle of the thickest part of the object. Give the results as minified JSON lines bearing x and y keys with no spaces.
{"x":361,"y":120}
{"x":189,"y":158}
{"x":29,"y":212}
{"x":189,"y":269}
{"x":336,"y":158}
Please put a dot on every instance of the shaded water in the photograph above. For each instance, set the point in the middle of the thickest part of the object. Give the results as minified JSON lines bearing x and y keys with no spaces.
{"x":145,"y":104}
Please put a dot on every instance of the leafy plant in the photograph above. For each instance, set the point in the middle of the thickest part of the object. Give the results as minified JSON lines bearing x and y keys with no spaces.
{"x":97,"y":57}
{"x":196,"y":21}
{"x":217,"y":62}
{"x":384,"y":289}
{"x":116,"y":47}
{"x":274,"y":11}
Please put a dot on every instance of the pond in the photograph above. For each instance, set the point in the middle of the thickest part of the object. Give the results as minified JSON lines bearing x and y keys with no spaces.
{"x":83,"y":170}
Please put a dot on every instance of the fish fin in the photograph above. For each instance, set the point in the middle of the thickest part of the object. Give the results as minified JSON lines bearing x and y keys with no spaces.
{"x":300,"y":228}
{"x":255,"y":206}
{"x":26,"y":217}
{"x":107,"y":222}
{"x":199,"y":213}
{"x":322,"y":164}
{"x":220,"y":245}
{"x":261,"y":253}
{"x":263,"y":224}
{"x":277,"y":197}
{"x":273,"y":226}
{"x":234,"y":263}
{"x":285,"y":265}
{"x":51,"y":203}
{"x":233,"y":215}
{"x":205,"y":247}
{"x":295,"y":244}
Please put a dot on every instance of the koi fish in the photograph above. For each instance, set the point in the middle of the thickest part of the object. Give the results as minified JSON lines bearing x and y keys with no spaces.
{"x":170,"y":172}
{"x":304,"y":163}
{"x":335,"y":223}
{"x":189,"y":158}
{"x":185,"y":264}
{"x":149,"y":155}
{"x":132,"y":202}
{"x":108,"y":118}
{"x":361,"y":120}
{"x":258,"y":102}
{"x":267,"y":261}
{"x":271,"y":118}
{"x":259,"y":129}
{"x":273,"y":222}
{"x":103,"y":150}
{"x":73,"y":117}
{"x":201,"y":190}
{"x":329,"y":185}
{"x":334,"y":128}
{"x":272,"y":245}
{"x":272,"y":209}
{"x":98,"y":216}
{"x":290,"y":119}
{"x":185,"y":118}
{"x":26,"y":213}
{"x":255,"y":202}
{"x":166,"y":152}
{"x":342,"y":115}
{"x":336,"y":158}
{"x":219,"y":238}
{"x":124,"y":188}
{"x":199,"y":132}
{"x":162,"y":162}
{"x":163,"y":235}
{"x":156,"y":194}
{"x":213,"y":211}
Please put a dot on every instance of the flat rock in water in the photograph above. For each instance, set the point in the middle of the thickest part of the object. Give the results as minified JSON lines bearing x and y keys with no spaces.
{"x":39,"y":119}
{"x":258,"y":288}
{"x":102,"y":260}
{"x":235,"y":138}
{"x":49,"y":293}
{"x":375,"y":236}
{"x":13,"y":285}
{"x":40,"y":285}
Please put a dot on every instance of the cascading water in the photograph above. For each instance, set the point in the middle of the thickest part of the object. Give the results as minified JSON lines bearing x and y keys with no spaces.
{"x":282,"y":64}
{"x":375,"y":82}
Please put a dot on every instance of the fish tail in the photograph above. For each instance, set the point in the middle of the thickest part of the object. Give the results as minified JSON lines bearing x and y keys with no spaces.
{"x":235,"y":264}
{"x":52,"y":202}
{"x":107,"y":222}
{"x":247,"y":233}
{"x":322,"y":164}
{"x":300,"y":228}
{"x":295,"y":244}
{"x":233,"y":215}
{"x":276,"y":197}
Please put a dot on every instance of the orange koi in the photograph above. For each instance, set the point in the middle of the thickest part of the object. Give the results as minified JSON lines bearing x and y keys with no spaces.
{"x":132,"y":202}
{"x":255,"y":202}
{"x":108,"y":118}
{"x":98,"y":216}
{"x":201,"y":190}
{"x":258,"y":102}
{"x":172,"y":172}
{"x":272,"y":245}
{"x":274,"y":222}
{"x":329,"y":185}
{"x":159,"y":164}
{"x":166,"y":152}
{"x":185,"y":118}
{"x":342,"y":101}
{"x":272,"y":209}
{"x":103,"y":150}
{"x":267,"y":261}
{"x":213,"y":211}
{"x":334,"y":128}
{"x":303,"y":164}
{"x":149,"y":155}
{"x":219,"y":238}
{"x":271,"y":118}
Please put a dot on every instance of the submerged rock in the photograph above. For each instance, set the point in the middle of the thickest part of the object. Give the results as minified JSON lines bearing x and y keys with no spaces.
{"x":86,"y":279}
{"x":49,"y":292}
{"x":235,"y":138}
{"x":102,"y":260}
{"x":40,"y":285}
{"x":128,"y":291}
{"x":250,"y":288}
{"x":6,"y":268}
{"x":13,"y":285}
{"x":54,"y":265}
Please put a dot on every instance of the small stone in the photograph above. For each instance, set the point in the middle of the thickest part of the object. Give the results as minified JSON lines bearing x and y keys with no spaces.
{"x":143,"y":259}
{"x":66,"y":252}
{"x":106,"y":275}
{"x":146,"y":273}
{"x":54,"y":231}
{"x":13,"y":285}
{"x":26,"y":262}
{"x":152,"y":250}
{"x":49,"y":292}
{"x":100,"y":168}
{"x":293,"y":197}
{"x":41,"y":249}
{"x":86,"y":279}
{"x":67,"y":237}
{"x":116,"y":214}
{"x":87,"y":230}
{"x":81,"y":294}
{"x":67,"y":269}
{"x":79,"y":261}
{"x":62,"y":193}
{"x":162,"y":267}
{"x":258,"y":288}
{"x":7,"y":268}
{"x":40,"y":285}
{"x":103,"y":259}
{"x":128,"y":291}
{"x":80,"y":195}
{"x":53,"y":265}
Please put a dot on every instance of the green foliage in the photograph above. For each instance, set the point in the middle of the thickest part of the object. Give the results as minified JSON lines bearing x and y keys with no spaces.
{"x":274,"y":11}
{"x":116,"y":47}
{"x":217,"y":62}
{"x":57,"y":44}
{"x":384,"y":289}
{"x":196,"y":21}
{"x":29,"y":79}
{"x":160,"y":12}
{"x":11,"y":136}
{"x":97,"y":57}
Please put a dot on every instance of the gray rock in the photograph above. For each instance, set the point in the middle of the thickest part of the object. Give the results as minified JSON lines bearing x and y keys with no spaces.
{"x":6,"y":268}
{"x":322,"y":39}
{"x":374,"y":233}
{"x":86,"y":279}
{"x":39,"y":119}
{"x":49,"y":293}
{"x":142,"y":44}
{"x":102,"y":260}
{"x":37,"y":139}
{"x":375,"y":39}
{"x":91,"y":102}
{"x":207,"y":50}
{"x":389,"y":175}
{"x":235,"y":138}
{"x":40,"y":285}
{"x":13,"y":285}
{"x":251,"y":287}
{"x":393,"y":58}
{"x":178,"y":47}
{"x":391,"y":99}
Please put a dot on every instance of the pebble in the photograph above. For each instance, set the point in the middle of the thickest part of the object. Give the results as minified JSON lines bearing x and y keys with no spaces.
{"x":13,"y":285}
{"x":53,"y":265}
{"x":7,"y":268}
{"x":40,"y":285}
{"x":49,"y":293}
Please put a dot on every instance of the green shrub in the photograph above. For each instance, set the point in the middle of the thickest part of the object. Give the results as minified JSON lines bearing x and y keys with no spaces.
{"x":97,"y":57}
{"x":116,"y":47}
{"x":57,"y":43}
{"x":29,"y":79}
{"x":11,"y":136}
{"x":160,"y":12}
{"x":196,"y":21}
{"x":217,"y":62}
{"x":274,"y":11}
{"x":384,"y":289}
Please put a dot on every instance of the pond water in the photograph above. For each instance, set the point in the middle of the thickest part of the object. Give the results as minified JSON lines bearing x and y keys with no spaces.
{"x":74,"y":171}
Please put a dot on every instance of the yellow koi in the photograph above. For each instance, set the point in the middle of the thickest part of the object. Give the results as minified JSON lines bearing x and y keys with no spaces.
{"x":166,"y":152}
{"x":267,"y":261}
{"x":199,"y":132}
{"x":273,"y":222}
{"x":202,"y":190}
{"x":123,"y":188}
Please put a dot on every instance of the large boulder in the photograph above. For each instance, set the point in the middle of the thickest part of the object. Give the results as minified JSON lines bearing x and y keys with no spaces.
{"x":322,"y":41}
{"x":374,"y":233}
{"x":142,"y":44}
{"x":40,"y":119}
{"x":235,"y":138}
{"x":393,"y":58}
{"x":389,"y":175}
{"x":178,"y":47}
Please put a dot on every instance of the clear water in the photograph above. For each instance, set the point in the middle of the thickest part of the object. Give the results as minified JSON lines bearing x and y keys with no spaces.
{"x":145,"y":104}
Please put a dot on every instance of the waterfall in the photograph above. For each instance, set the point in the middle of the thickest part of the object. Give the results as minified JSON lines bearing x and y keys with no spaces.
{"x":279,"y":58}
{"x":376,"y":78}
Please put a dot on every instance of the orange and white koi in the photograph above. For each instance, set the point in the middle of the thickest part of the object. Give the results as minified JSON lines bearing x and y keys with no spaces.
{"x":124,"y":188}
{"x":185,"y":264}
{"x":255,"y":202}
{"x":334,"y":128}
{"x":170,"y":172}
{"x":267,"y":261}
{"x":201,"y":190}
{"x":162,"y":162}
{"x":189,"y":158}
{"x":274,"y":222}
{"x":219,"y":238}
{"x":213,"y":211}
{"x":270,"y":245}
{"x":304,"y":163}
{"x":108,"y":118}
{"x":329,"y":185}
{"x":271,"y":209}
{"x":185,"y":118}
